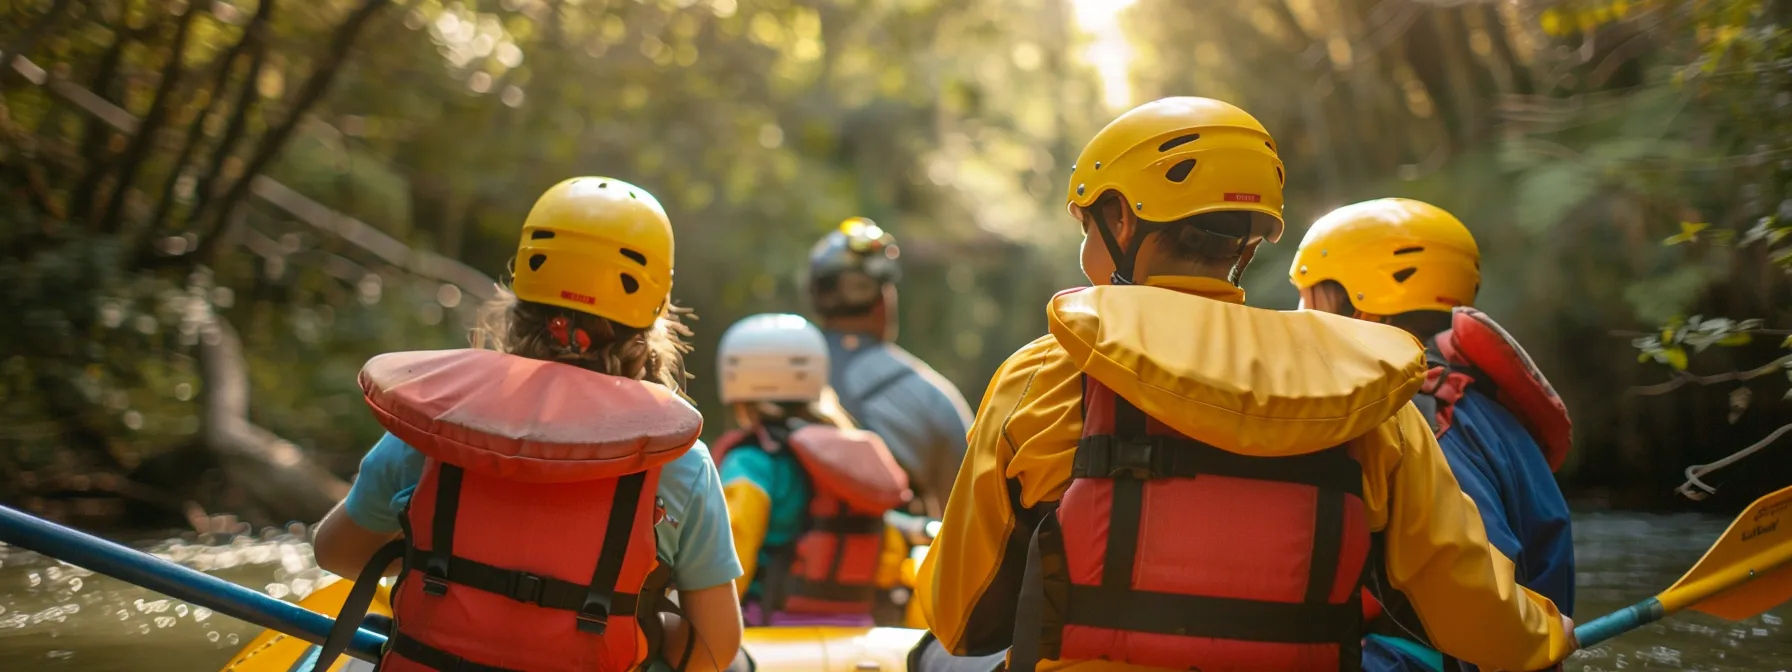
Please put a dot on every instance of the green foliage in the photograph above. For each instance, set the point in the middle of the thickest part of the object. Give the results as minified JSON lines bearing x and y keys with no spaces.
{"x":1669,"y":346}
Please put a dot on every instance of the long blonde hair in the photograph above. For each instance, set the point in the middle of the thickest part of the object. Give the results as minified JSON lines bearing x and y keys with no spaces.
{"x":524,"y":328}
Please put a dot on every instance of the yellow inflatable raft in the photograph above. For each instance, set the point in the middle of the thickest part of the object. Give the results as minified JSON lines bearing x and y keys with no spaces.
{"x":778,"y":649}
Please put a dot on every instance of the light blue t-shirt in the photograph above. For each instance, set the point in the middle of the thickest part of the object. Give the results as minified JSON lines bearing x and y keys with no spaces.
{"x":695,"y":535}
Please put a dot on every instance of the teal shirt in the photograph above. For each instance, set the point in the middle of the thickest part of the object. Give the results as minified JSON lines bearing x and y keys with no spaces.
{"x":782,"y":480}
{"x":695,"y":536}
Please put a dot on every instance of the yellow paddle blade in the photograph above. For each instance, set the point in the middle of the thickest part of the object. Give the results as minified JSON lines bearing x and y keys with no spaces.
{"x":1748,"y":571}
{"x":275,"y":651}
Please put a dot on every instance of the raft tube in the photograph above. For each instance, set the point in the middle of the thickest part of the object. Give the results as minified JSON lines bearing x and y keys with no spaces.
{"x":784,"y":649}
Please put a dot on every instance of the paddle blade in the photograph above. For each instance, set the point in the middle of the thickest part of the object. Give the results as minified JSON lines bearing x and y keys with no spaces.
{"x":275,"y":651}
{"x":1748,"y":571}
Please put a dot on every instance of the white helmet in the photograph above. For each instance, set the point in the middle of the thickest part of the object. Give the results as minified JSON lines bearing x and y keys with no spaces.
{"x":773,"y":357}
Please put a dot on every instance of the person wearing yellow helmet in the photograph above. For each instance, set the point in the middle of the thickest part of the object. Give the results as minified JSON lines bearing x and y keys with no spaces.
{"x":1172,"y":480}
{"x":1413,"y":265}
{"x":560,"y":443}
{"x":921,"y":416}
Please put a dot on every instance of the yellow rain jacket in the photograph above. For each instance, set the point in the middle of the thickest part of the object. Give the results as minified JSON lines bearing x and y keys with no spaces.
{"x":1259,"y":382}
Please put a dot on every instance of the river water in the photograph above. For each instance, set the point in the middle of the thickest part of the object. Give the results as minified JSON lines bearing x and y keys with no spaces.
{"x":57,"y":617}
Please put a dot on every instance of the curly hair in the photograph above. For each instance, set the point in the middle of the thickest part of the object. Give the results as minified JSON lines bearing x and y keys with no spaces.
{"x":511,"y":325}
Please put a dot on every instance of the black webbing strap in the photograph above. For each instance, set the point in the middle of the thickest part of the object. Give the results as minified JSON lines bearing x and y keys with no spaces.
{"x":848,"y":523}
{"x":656,"y":602}
{"x":774,"y":577}
{"x":354,"y":608}
{"x":831,"y":591}
{"x":1213,"y":617}
{"x":437,"y":659}
{"x":1328,"y":541}
{"x":441,"y":538}
{"x":601,"y":598}
{"x":1112,"y":456}
{"x":1126,"y":506}
{"x":840,"y":538}
{"x":545,"y":591}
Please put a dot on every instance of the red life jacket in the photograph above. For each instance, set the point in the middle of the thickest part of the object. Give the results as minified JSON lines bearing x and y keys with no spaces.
{"x":831,"y":568}
{"x":1476,"y":351}
{"x":529,"y":541}
{"x":1168,"y":552}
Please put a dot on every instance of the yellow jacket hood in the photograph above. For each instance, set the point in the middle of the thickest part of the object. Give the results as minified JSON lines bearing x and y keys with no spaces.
{"x":1251,"y":381}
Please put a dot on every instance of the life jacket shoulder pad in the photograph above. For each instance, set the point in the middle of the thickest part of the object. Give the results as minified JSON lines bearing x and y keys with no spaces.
{"x":1474,"y":339}
{"x":853,"y":465}
{"x":525,"y":419}
{"x":1245,"y":379}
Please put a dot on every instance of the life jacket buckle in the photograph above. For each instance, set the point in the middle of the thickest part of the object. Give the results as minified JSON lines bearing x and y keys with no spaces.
{"x":526,"y":587}
{"x":1132,"y":458}
{"x":594,"y":616}
{"x":435,"y":576}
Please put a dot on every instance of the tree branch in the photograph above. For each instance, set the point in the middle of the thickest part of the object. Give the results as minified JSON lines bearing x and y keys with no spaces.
{"x":246,"y":100}
{"x":196,"y":130}
{"x":1681,"y":378}
{"x":35,"y":34}
{"x":278,"y":476}
{"x":138,"y":150}
{"x":93,"y":138}
{"x":314,"y":89}
{"x":1696,"y":489}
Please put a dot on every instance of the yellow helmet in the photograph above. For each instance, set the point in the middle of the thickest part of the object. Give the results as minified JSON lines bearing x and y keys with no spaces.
{"x":1178,"y":157}
{"x":1393,"y":255}
{"x":600,"y":246}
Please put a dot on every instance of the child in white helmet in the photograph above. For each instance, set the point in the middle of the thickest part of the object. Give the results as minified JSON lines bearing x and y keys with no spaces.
{"x":806,"y":491}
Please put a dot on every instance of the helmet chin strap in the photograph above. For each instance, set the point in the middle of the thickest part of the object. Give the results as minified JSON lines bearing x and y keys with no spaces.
{"x":1124,"y":259}
{"x":1246,"y":250}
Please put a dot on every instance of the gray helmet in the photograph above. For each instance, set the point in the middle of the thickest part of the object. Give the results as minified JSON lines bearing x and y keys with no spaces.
{"x":849,"y":267}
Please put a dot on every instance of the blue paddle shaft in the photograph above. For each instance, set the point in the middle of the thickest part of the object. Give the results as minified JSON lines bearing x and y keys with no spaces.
{"x":105,"y":557}
{"x":1619,"y":622}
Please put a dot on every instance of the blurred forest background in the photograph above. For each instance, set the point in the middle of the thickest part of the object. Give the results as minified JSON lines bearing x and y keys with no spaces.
{"x":216,"y":211}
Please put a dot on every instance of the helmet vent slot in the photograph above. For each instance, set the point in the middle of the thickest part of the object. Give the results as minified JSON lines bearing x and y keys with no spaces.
{"x":636,"y":256}
{"x":540,"y":235}
{"x":1180,"y":171}
{"x":629,"y":284}
{"x":536,"y":261}
{"x":1408,"y":250}
{"x":1280,"y":179}
{"x":1173,"y":143}
{"x":799,"y":361}
{"x":1404,"y":273}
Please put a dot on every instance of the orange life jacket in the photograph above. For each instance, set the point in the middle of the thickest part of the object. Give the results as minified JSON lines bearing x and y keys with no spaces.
{"x":1168,"y":552}
{"x":529,"y":541}
{"x":1476,"y":351}
{"x":831,"y":568}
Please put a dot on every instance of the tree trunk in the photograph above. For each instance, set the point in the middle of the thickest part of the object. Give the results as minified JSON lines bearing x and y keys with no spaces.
{"x":275,"y":474}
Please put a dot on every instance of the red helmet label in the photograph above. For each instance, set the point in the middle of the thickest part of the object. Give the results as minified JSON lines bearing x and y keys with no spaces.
{"x":1244,"y":198}
{"x":575,"y":296}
